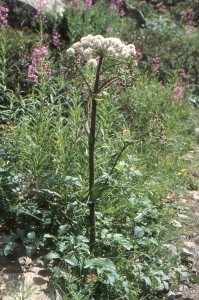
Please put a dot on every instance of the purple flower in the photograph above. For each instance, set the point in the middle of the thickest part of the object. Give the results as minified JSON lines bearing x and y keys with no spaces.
{"x":3,"y":17}
{"x":178,"y":92}
{"x":88,"y":4}
{"x":39,"y":66}
{"x":56,"y":39}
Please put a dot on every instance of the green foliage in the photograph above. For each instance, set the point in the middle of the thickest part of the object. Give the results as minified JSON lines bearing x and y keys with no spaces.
{"x":143,"y":136}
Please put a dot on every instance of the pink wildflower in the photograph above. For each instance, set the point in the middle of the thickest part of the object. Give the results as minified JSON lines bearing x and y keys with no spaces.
{"x":178,"y":92}
{"x":113,"y":6}
{"x":56,"y":39}
{"x":182,"y":73}
{"x":75,"y":4}
{"x":122,"y":13}
{"x":3,"y":17}
{"x":139,"y":55}
{"x":88,"y":4}
{"x":142,"y":3}
{"x":191,"y":29}
{"x":156,"y":63}
{"x":161,"y":7}
{"x":40,"y":65}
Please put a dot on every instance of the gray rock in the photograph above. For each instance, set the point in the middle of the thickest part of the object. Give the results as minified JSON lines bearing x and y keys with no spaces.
{"x":22,"y":13}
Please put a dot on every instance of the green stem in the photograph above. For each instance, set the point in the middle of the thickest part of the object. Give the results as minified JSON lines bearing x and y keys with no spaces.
{"x":91,"y":159}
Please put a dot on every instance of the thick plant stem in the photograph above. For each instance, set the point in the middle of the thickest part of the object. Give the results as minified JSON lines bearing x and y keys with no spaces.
{"x":91,"y":159}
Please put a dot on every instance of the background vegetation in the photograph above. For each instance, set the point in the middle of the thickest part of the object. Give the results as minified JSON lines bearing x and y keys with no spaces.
{"x":44,"y":148}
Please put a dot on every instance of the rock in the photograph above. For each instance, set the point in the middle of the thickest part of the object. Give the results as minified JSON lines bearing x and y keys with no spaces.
{"x":195,"y":194}
{"x":171,"y":296}
{"x":22,"y":13}
{"x":187,"y":252}
{"x":176,"y":224}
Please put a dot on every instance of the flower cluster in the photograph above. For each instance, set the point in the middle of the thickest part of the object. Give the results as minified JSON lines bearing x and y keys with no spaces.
{"x":91,"y":47}
{"x":3,"y":16}
{"x":39,"y":66}
{"x":161,"y":7}
{"x":178,"y":92}
{"x":56,"y":39}
{"x":41,"y":8}
{"x":156,"y":64}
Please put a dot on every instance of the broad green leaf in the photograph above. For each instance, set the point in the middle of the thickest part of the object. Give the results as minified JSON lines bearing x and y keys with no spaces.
{"x":20,"y":232}
{"x":104,"y":233}
{"x":97,"y":262}
{"x":132,"y":200}
{"x":111,"y":278}
{"x":48,"y":236}
{"x":71,"y":260}
{"x":8,"y":249}
{"x":97,"y":189}
{"x":51,"y":255}
{"x":147,"y":280}
{"x":166,"y":285}
{"x":31,"y":235}
{"x":30,"y":250}
{"x":71,"y":180}
{"x":62,"y":229}
{"x":124,"y":242}
{"x":82,"y":239}
{"x":138,"y":232}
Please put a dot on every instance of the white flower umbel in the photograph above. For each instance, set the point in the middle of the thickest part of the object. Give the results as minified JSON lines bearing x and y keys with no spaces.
{"x":97,"y":46}
{"x":70,"y":52}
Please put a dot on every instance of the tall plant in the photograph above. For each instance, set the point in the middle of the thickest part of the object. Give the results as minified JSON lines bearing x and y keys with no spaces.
{"x":110,"y":61}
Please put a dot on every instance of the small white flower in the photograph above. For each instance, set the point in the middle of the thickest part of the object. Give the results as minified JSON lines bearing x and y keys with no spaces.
{"x":97,"y":43}
{"x":88,"y":52}
{"x":85,"y":43}
{"x":70,"y":52}
{"x":111,"y":51}
{"x":92,"y":63}
{"x":131,"y":49}
{"x":125,"y":54}
{"x":76,"y":45}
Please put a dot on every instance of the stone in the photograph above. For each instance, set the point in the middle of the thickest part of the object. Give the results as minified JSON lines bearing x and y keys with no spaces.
{"x":176,"y":224}
{"x":22,"y":13}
